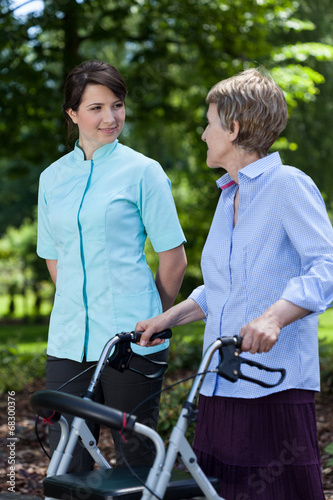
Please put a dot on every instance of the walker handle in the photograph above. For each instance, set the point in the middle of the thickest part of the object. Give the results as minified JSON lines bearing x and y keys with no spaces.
{"x":123,"y":354}
{"x":230,"y":364}
{"x":164,"y":334}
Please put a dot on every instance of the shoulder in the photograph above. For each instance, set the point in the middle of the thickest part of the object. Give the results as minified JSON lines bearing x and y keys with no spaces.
{"x":140,"y":168}
{"x":49,"y":174}
{"x":286,"y":176}
{"x":284,"y":173}
{"x":140,"y":160}
{"x":294,"y":185}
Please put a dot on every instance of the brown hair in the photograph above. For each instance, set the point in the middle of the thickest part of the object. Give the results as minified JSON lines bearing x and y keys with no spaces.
{"x":93,"y":72}
{"x":257,"y":103}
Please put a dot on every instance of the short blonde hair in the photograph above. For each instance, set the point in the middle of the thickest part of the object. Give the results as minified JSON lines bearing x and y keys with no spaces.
{"x":257,"y":103}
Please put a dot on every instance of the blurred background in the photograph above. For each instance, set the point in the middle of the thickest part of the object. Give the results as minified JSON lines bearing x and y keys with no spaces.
{"x":170,"y":54}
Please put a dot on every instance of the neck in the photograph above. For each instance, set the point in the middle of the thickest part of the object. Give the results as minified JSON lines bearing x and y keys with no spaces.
{"x":240,"y":160}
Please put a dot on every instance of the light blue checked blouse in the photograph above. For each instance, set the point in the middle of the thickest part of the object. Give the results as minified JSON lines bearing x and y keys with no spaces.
{"x":281,"y":247}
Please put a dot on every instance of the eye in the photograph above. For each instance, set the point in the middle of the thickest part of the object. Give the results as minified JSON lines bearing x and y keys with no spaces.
{"x":95,"y":108}
{"x":119,"y":105}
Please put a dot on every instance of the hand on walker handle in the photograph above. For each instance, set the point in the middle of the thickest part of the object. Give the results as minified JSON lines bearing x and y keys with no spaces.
{"x":262,"y":333}
{"x":149,"y":327}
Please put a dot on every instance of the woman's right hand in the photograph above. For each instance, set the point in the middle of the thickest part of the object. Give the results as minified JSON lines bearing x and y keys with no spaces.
{"x":151,"y":326}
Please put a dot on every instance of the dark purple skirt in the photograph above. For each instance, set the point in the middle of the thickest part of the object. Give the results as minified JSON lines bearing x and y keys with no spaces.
{"x":261,"y":449}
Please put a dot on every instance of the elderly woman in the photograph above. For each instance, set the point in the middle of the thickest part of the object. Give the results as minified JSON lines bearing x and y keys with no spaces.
{"x":268,"y":272}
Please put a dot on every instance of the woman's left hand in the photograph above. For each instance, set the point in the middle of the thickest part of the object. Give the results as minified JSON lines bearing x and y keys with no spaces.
{"x":262,"y":333}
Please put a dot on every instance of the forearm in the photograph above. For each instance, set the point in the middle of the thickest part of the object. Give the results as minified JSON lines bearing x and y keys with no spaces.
{"x":187,"y":311}
{"x":170,"y":274}
{"x":52,"y":267}
{"x":168,"y":286}
{"x":284,"y":312}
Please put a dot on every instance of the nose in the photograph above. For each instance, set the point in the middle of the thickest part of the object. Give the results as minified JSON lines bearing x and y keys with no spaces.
{"x":203,"y":137}
{"x":108,"y":116}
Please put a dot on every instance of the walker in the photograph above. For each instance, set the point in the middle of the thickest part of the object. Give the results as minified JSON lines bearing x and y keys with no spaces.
{"x":162,"y":480}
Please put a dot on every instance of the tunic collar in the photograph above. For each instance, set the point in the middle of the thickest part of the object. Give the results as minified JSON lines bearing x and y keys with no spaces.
{"x":99,"y":154}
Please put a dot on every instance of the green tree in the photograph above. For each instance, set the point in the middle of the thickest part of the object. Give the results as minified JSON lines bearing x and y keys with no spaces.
{"x":170,"y":53}
{"x":312,"y":119}
{"x":21,"y":269}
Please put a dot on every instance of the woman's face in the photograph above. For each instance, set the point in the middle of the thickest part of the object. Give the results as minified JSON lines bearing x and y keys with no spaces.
{"x":219,"y":141}
{"x":100,"y":118}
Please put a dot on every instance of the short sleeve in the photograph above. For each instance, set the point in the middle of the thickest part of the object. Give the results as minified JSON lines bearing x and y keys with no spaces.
{"x":158,"y":210}
{"x":45,"y":240}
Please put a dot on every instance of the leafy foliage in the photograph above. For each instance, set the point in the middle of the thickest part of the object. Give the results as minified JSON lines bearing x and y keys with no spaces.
{"x":170,"y":54}
{"x":326,"y":364}
{"x":329,"y":449}
{"x":172,"y":401}
{"x":17,"y":368}
{"x":20,"y":268}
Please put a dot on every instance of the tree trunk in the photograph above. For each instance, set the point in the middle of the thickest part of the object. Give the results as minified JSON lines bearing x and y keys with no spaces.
{"x":71,"y":58}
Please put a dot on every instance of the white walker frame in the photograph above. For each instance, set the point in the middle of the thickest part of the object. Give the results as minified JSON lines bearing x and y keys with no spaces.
{"x":160,"y":475}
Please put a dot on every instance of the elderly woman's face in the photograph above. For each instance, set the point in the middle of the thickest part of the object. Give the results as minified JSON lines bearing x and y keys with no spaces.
{"x":218,"y":140}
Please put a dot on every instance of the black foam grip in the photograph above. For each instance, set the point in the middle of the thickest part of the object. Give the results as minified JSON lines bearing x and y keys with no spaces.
{"x":165,"y":334}
{"x":84,"y":408}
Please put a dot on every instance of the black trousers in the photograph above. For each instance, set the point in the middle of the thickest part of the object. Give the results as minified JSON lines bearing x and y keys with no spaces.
{"x":123,"y":391}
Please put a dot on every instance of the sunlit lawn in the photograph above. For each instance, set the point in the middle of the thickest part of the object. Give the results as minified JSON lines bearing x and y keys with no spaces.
{"x":326,"y":325}
{"x":23,"y":305}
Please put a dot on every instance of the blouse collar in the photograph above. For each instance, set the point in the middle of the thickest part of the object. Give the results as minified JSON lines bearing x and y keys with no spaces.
{"x":251,"y":171}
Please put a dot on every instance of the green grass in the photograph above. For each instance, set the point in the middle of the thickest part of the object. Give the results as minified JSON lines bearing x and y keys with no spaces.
{"x":23,"y":305}
{"x":27,"y":338}
{"x":326,"y":326}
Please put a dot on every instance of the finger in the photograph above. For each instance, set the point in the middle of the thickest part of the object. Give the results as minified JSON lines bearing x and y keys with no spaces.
{"x":247,"y":340}
{"x":145,"y":337}
{"x":155,"y":342}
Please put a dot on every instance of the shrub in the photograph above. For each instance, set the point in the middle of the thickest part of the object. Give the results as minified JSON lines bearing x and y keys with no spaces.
{"x":185,"y":352}
{"x":326,"y":364}
{"x":172,"y":401}
{"x":17,"y":369}
{"x":329,"y":450}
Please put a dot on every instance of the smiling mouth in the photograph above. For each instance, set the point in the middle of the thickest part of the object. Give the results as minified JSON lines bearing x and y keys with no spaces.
{"x":108,"y":130}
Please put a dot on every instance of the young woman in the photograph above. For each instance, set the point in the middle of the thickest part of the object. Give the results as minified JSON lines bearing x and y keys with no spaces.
{"x":96,"y":207}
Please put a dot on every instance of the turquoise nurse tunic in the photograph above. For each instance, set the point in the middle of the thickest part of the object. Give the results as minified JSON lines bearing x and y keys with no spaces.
{"x":93,"y":218}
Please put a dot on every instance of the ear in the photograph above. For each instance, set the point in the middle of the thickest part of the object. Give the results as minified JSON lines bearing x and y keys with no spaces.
{"x":234,"y":134}
{"x":72,"y":114}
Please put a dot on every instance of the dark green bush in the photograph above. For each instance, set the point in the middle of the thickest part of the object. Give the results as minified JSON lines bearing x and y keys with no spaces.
{"x":326,"y":364}
{"x":171,"y":404}
{"x":17,"y":369}
{"x":185,"y":352}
